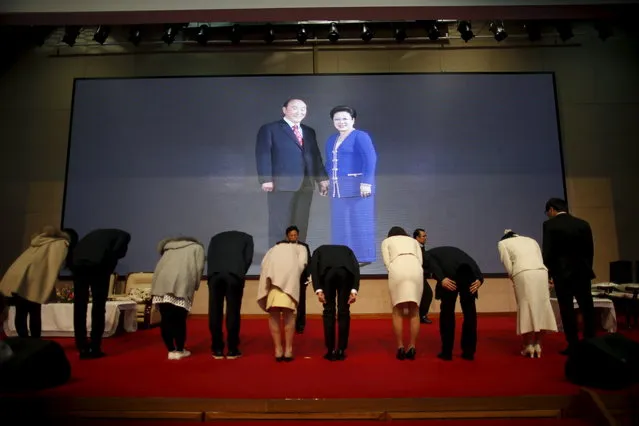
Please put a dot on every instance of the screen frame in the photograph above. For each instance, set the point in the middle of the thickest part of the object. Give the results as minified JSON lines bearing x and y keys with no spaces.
{"x":369,"y":276}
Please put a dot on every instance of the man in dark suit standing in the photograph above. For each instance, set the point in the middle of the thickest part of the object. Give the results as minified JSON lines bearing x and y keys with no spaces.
{"x":568,"y":252}
{"x":335,"y":272}
{"x":289,"y":164}
{"x":427,"y":296}
{"x":292,"y":237}
{"x":456,"y":273}
{"x":230,"y":255}
{"x":92,"y":263}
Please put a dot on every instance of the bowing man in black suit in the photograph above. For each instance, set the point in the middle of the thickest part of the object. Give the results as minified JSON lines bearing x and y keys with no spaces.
{"x":335,"y":272}
{"x":289,"y":165}
{"x":92,"y":263}
{"x":292,"y":237}
{"x":568,"y":252}
{"x":230,"y":255}
{"x":456,"y":273}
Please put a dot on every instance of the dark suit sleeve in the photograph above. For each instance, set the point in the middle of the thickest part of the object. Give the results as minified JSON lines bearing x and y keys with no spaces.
{"x":589,"y":245}
{"x":318,"y":164}
{"x":307,"y":270}
{"x":315,"y":272}
{"x":121,"y":245}
{"x":249,"y":248}
{"x":476,"y":271}
{"x":263,"y":147}
{"x":356,"y":274}
{"x":546,"y":247}
{"x":433,"y":266}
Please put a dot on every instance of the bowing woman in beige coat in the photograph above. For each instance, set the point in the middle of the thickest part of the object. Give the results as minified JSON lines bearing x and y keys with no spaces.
{"x":278,"y":293}
{"x":403,"y":258}
{"x":31,"y":279}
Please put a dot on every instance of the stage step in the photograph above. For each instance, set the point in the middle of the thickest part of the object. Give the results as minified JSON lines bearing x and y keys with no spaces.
{"x":482,"y":422}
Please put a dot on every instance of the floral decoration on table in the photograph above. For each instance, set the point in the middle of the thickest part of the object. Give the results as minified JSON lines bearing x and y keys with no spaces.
{"x":140,"y":295}
{"x":64,"y":294}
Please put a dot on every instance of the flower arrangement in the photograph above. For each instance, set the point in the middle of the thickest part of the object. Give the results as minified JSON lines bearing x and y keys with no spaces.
{"x":64,"y":294}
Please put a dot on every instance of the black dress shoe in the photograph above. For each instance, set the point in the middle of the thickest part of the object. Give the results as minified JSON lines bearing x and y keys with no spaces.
{"x":468,"y":357}
{"x":235,"y":354}
{"x":410,"y":354}
{"x":425,"y":320}
{"x":401,"y":354}
{"x":330,"y":356}
{"x":299,"y":329}
{"x":279,"y":358}
{"x":287,"y":358}
{"x":218,"y":354}
{"x":445,"y":357}
{"x":92,"y":354}
{"x":566,"y":351}
{"x":340,"y":355}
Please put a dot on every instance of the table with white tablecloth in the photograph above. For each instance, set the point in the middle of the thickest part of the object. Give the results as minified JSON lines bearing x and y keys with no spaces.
{"x":57,"y":319}
{"x":608,"y":314}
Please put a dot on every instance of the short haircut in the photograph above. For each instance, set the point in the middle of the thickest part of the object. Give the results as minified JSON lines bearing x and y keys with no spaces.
{"x":558,"y":204}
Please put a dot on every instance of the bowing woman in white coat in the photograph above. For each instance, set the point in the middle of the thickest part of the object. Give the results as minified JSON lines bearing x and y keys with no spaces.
{"x":524,"y":264}
{"x":403,"y":258}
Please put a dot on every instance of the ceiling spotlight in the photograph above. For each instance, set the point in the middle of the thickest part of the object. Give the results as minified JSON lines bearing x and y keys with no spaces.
{"x":564,"y":29}
{"x":400,"y":34}
{"x":202,"y":36}
{"x":604,"y":29}
{"x":498,"y":30}
{"x":333,"y":34}
{"x":302,"y":35}
{"x":534,"y":30}
{"x":236,"y":34}
{"x":465,"y":30}
{"x":432,"y":31}
{"x":367,"y":34}
{"x":71,"y":33}
{"x":101,"y":34}
{"x":169,"y":34}
{"x":135,"y":37}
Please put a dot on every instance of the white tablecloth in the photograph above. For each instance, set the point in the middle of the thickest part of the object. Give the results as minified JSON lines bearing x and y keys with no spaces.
{"x":57,"y":319}
{"x":608,"y":314}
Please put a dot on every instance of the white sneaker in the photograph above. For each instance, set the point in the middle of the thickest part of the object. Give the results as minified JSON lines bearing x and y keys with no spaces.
{"x":183,"y":354}
{"x":173,"y":355}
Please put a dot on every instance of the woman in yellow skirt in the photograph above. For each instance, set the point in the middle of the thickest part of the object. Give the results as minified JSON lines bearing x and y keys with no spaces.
{"x":279,"y":291}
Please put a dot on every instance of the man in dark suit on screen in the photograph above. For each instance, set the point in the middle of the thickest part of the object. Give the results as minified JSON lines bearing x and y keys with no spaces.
{"x":457,"y":274}
{"x":229,"y":257}
{"x":93,"y":261}
{"x":289,"y":165}
{"x":335,"y":272}
{"x":568,"y":251}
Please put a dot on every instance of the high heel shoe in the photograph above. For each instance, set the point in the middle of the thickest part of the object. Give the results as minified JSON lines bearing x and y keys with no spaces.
{"x":528,"y":351}
{"x":401,"y":354}
{"x":537,"y":350}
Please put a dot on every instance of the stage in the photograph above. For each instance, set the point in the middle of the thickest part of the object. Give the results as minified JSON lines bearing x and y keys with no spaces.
{"x":136,"y":380}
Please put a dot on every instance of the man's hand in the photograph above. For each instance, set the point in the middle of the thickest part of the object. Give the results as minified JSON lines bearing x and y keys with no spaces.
{"x":323,"y":188}
{"x":267,"y":187}
{"x":449,"y":284}
{"x":475,"y":286}
{"x":365,"y":190}
{"x":352,"y":298}
{"x":321,"y":298}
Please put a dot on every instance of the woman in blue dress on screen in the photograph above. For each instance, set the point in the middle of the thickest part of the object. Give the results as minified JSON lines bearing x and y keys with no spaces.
{"x":350,"y":163}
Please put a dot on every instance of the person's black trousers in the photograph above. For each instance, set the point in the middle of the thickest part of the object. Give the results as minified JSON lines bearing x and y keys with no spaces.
{"x":173,"y":326}
{"x":447,"y":321}
{"x":338,"y":283}
{"x":95,"y":280}
{"x":225,"y":286}
{"x":28,"y":311}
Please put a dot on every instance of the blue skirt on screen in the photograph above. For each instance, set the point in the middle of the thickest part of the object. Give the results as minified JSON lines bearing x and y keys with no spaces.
{"x":353,"y":225}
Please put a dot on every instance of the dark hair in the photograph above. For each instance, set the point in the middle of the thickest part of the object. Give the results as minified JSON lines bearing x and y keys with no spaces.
{"x":507,"y":235}
{"x":417,"y":231}
{"x":343,"y":108}
{"x":397,"y":230}
{"x":292,"y":228}
{"x":558,"y":204}
{"x":289,"y":100}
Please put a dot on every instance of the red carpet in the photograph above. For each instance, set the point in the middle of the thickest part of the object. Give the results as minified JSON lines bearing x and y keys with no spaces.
{"x":137,"y":366}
